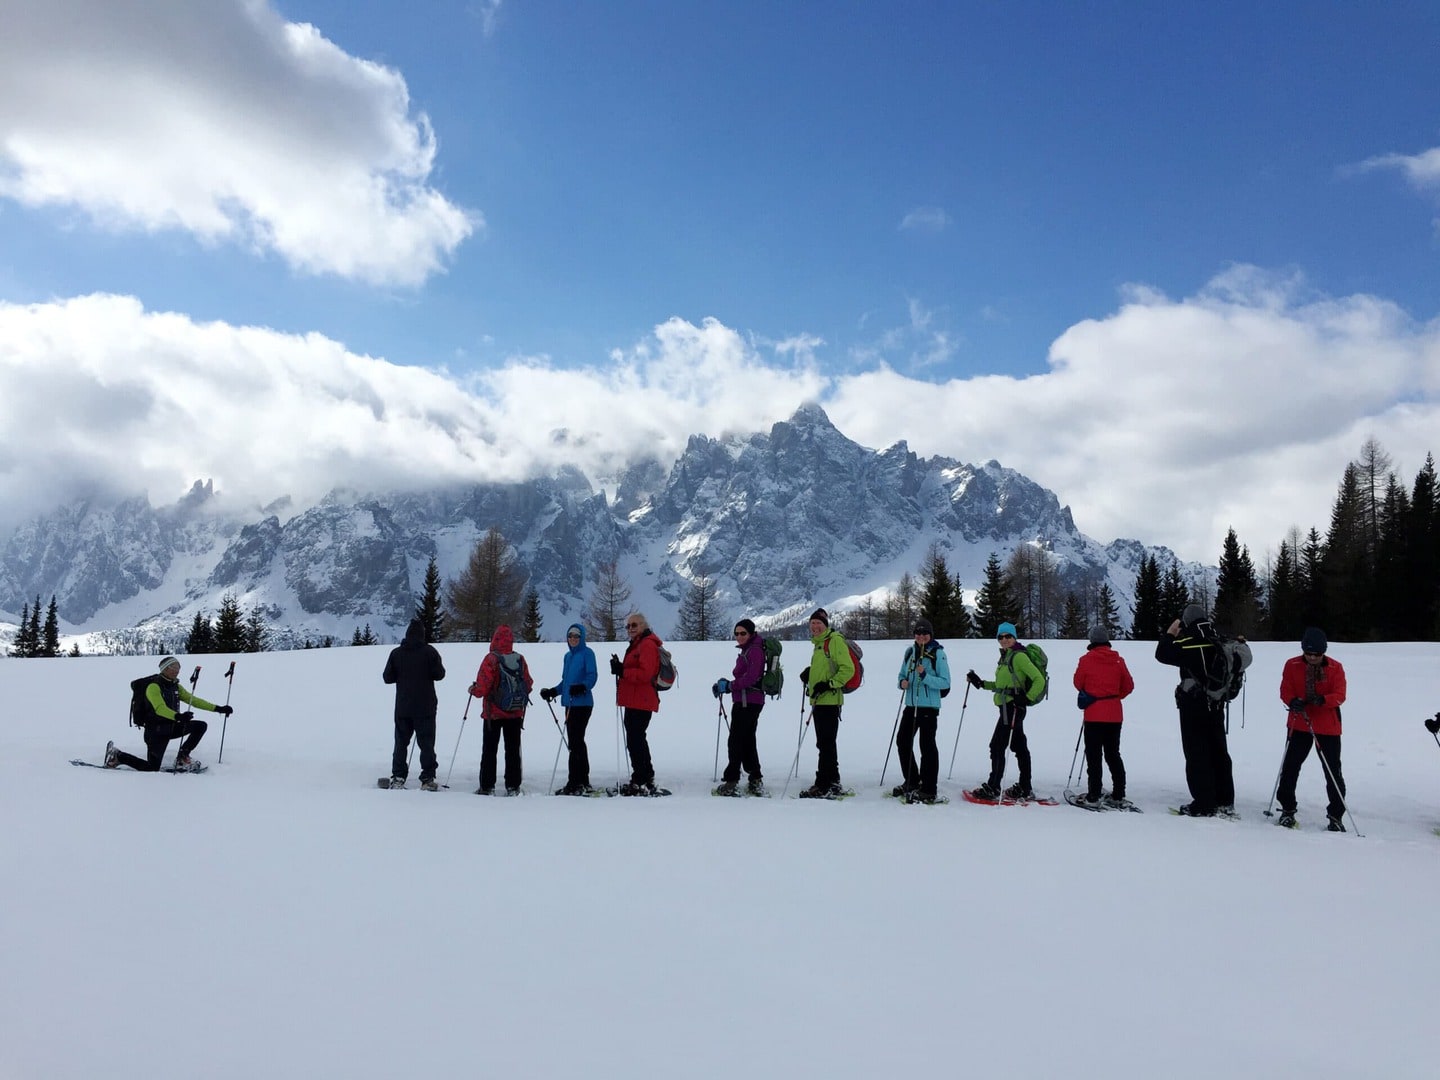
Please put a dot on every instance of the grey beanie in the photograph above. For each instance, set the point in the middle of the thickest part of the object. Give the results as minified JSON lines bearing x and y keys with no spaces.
{"x":167,"y":662}
{"x":1194,"y":613}
{"x":1098,"y":636}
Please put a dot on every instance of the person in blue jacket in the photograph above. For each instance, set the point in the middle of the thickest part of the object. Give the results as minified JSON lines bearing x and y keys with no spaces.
{"x":577,"y":680}
{"x":924,"y":675}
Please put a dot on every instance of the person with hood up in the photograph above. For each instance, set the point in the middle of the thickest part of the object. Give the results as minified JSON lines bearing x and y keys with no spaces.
{"x":1312,"y":685}
{"x":503,"y":686}
{"x":1102,"y":682}
{"x":578,"y":675}
{"x":414,"y":667}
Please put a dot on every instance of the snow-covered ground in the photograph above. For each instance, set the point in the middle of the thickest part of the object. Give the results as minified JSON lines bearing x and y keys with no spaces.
{"x":280,"y":917}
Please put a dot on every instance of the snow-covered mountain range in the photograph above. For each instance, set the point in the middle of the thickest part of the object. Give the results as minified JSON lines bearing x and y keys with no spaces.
{"x":782,"y":521}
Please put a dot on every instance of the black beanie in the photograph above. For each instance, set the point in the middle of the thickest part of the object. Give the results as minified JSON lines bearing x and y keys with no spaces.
{"x":747,"y":625}
{"x":922,"y":626}
{"x":1313,"y":640}
{"x":821,"y":614}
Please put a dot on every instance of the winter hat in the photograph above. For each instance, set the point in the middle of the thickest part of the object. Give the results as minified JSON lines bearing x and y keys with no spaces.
{"x":922,"y":626}
{"x":1005,"y":628}
{"x":171,"y":660}
{"x":821,"y":614}
{"x":1313,"y":640}
{"x":1098,"y":636}
{"x":1194,"y":613}
{"x":748,"y":625}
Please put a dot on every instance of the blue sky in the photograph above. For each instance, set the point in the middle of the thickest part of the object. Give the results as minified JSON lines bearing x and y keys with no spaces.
{"x":938,"y":193}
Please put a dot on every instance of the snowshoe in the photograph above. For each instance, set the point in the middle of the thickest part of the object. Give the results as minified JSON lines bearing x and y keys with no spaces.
{"x":429,"y":785}
{"x":112,"y":756}
{"x":390,"y":782}
{"x":925,"y":798}
{"x":1334,"y":824}
{"x":1287,"y":820}
{"x":986,"y":792}
{"x":1019,"y":792}
{"x":729,"y":788}
{"x":756,"y":789}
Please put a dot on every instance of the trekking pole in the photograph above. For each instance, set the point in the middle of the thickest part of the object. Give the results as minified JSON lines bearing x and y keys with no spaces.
{"x":1329,"y":775}
{"x":1276,"y":789}
{"x":468,"y":698}
{"x":963,"y":702}
{"x":893,"y":729}
{"x":1075,"y":756}
{"x":225,"y":717}
{"x":194,"y":678}
{"x":619,"y":715}
{"x":551,"y":706}
{"x":795,"y":766}
{"x":719,"y":715}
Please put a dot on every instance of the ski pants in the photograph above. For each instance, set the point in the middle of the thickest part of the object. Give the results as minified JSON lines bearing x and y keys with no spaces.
{"x":1010,"y":732}
{"x":924,"y":722}
{"x":744,"y":722}
{"x":826,"y":719}
{"x":423,"y":730}
{"x":510,"y":727}
{"x":577,"y":718}
{"x":637,"y":722}
{"x":158,"y":734}
{"x":1102,"y":738}
{"x":1208,"y":772}
{"x":1297,"y":749}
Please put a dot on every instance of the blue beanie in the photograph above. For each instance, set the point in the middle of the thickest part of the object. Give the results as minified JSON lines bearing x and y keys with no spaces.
{"x":1005,"y":628}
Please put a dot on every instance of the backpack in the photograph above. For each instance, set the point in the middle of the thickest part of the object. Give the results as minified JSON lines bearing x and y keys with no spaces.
{"x":856,"y":656}
{"x":773,"y":680}
{"x":139,"y":707}
{"x":1036,"y":656}
{"x":1237,"y":656}
{"x":509,"y":694}
{"x":665,"y":678}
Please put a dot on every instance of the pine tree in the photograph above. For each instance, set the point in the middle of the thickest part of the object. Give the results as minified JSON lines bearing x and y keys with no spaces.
{"x":1312,"y":580}
{"x":429,"y":609}
{"x":229,"y":634}
{"x":1237,"y":591}
{"x":201,"y":638}
{"x":487,"y":593}
{"x":532,"y":620}
{"x":50,"y":636}
{"x":606,"y":608}
{"x":364,"y":637}
{"x":1344,"y":569}
{"x":1174,"y":594}
{"x":257,"y":632}
{"x":963,"y":623}
{"x":937,"y":593}
{"x":1146,"y":619}
{"x":700,"y":616}
{"x":34,"y":640}
{"x":21,"y":647}
{"x":1073,"y":626}
{"x":1284,"y":592}
{"x":1422,"y":560}
{"x":994,"y":604}
{"x":1107,"y":614}
{"x":1391,"y":587}
{"x":1374,"y":474}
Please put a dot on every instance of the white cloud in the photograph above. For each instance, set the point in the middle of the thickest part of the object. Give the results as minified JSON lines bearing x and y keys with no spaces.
{"x":1168,"y":420}
{"x":1422,"y":169}
{"x":930,"y":219}
{"x":227,"y":122}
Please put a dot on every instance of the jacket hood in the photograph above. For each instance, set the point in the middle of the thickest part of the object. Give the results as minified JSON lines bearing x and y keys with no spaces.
{"x":502,"y":641}
{"x":415,"y":633}
{"x":581,"y":629}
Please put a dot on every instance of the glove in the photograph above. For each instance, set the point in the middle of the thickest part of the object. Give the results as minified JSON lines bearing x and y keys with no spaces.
{"x":974,"y":680}
{"x":1433,"y":726}
{"x":224,"y":710}
{"x":186,"y":715}
{"x":823,"y":688}
{"x":721,"y":687}
{"x":578,"y":689}
{"x":616,"y":667}
{"x":548,"y":694}
{"x":1315,"y":699}
{"x":1297,"y":704}
{"x":805,"y":676}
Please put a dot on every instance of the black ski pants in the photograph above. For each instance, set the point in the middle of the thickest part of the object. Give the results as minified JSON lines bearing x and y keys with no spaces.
{"x":1208,"y":772}
{"x":826,"y":719}
{"x":577,"y":719}
{"x":158,"y":734}
{"x":1297,"y":749}
{"x":423,"y":730}
{"x":926,"y":774}
{"x":744,"y":722}
{"x":1010,"y":732}
{"x":642,"y":769}
{"x":1103,"y":739}
{"x":510,"y":728}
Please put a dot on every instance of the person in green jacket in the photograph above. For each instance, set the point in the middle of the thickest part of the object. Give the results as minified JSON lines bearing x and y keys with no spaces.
{"x":158,"y":712}
{"x":830,"y":669}
{"x":1018,"y":684}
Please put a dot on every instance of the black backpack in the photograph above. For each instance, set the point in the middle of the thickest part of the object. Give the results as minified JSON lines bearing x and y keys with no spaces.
{"x":140,"y":710}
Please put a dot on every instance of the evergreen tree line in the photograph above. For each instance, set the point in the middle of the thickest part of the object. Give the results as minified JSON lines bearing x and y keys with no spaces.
{"x":34,"y":638}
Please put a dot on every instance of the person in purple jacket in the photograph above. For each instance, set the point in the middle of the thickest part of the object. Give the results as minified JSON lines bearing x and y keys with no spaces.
{"x":744,"y":689}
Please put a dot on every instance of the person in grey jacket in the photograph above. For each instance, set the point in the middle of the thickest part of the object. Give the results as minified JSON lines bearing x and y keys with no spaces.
{"x":924,"y":676}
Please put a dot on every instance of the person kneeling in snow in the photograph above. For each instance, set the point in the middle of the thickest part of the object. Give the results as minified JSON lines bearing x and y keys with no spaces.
{"x":156,"y":708}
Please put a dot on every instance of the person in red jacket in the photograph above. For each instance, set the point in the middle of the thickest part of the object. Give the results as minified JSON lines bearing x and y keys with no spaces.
{"x":1103,"y":681}
{"x":635,"y":693}
{"x":498,"y":686}
{"x":1313,"y":689}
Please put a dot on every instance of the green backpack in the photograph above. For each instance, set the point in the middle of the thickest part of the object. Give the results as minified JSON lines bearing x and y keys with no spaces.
{"x":1037,"y":657}
{"x":773,"y":680}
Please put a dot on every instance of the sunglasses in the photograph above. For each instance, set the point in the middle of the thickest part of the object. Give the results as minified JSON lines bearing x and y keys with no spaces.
{"x":575,"y":636}
{"x":742,"y":633}
{"x":1006,"y":637}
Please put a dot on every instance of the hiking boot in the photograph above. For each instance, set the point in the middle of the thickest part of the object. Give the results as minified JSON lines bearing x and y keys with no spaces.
{"x":1116,"y":802}
{"x":729,"y":787}
{"x":112,"y":756}
{"x":756,"y":786}
{"x":1286,"y":820}
{"x":899,"y":791}
{"x":1191,"y":809}
{"x":429,"y":785}
{"x":484,"y":791}
{"x":1227,"y":812}
{"x":1088,"y":799}
{"x":397,"y":782}
{"x":186,"y":763}
{"x":512,"y":791}
{"x":1334,"y":824}
{"x":986,"y":790}
{"x":816,"y":791}
{"x":1019,"y":790}
{"x":915,"y":795}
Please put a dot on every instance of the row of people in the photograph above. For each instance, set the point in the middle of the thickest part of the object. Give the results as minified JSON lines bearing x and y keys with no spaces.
{"x":1312,"y":687}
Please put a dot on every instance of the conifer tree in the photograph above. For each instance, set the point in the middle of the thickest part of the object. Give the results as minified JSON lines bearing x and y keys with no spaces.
{"x":1107,"y":614}
{"x":229,"y":636}
{"x":1312,"y":580}
{"x":1146,"y":619}
{"x":487,"y":593}
{"x":1423,"y":556}
{"x":531,"y":621}
{"x":1344,"y":569}
{"x":1391,"y":564}
{"x":256,"y":631}
{"x":606,"y":608}
{"x":700,"y":616}
{"x":364,"y":637}
{"x":1073,"y":626}
{"x":1034,"y":582}
{"x":201,"y":638}
{"x":1285,"y":623}
{"x":50,"y":636}
{"x":964,"y":623}
{"x":1174,"y":594}
{"x":901,"y":608}
{"x":1237,"y":590}
{"x":994,"y":604}
{"x":429,"y":609}
{"x":21,"y":646}
{"x":34,"y":639}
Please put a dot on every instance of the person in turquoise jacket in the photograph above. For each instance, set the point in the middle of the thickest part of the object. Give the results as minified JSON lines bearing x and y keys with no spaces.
{"x":830,"y":669}
{"x":1017,"y":685}
{"x":924,"y":676}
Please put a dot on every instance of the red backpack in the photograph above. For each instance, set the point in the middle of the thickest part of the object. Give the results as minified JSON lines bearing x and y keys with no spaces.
{"x":855,"y":658}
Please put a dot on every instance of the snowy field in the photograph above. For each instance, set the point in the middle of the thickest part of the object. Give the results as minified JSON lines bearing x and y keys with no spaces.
{"x":280,"y":917}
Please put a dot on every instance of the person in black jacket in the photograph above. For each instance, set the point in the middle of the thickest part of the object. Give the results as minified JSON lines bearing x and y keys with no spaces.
{"x":414,"y":668}
{"x":1191,"y":645}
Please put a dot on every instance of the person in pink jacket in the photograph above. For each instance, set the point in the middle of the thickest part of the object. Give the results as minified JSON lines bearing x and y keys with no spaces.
{"x":1103,"y":682}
